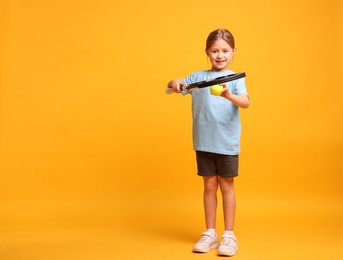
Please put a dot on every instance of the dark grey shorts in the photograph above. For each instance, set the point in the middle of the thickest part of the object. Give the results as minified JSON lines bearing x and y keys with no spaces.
{"x":212,"y":164}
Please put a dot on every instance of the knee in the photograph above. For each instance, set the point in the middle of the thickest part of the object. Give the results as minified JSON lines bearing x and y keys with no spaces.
{"x":211,"y":184}
{"x":226,"y":184}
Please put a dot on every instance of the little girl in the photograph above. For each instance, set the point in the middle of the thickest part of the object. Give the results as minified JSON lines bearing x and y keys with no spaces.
{"x":216,"y":139}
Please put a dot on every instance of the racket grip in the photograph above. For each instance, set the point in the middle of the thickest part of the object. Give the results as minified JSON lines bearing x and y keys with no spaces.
{"x":169,"y":91}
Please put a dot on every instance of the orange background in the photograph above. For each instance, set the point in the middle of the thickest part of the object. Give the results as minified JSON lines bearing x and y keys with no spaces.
{"x":95,"y":156}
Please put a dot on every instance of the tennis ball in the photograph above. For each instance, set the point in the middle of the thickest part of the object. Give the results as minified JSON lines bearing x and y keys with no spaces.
{"x":216,"y":90}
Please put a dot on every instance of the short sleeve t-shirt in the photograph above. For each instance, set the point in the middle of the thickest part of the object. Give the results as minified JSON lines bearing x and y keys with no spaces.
{"x":216,"y":121}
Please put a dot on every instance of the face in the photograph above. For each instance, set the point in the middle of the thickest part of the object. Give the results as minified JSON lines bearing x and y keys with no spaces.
{"x":220,"y":55}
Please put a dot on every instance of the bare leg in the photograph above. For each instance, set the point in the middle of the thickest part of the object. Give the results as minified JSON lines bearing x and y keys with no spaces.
{"x":229,"y":201}
{"x":210,"y":200}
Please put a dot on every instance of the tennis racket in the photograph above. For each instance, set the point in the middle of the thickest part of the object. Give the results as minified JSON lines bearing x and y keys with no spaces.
{"x":209,"y":82}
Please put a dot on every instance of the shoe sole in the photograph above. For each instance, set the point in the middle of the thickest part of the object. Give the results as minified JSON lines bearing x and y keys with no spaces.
{"x":213,"y":246}
{"x":226,"y":254}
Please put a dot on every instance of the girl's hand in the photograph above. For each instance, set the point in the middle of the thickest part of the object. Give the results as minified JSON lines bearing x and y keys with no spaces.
{"x":225,"y":92}
{"x":176,"y":85}
{"x":241,"y":101}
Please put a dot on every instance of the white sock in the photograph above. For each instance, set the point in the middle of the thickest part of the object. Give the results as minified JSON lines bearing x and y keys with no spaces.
{"x":229,"y":232}
{"x":212,"y":231}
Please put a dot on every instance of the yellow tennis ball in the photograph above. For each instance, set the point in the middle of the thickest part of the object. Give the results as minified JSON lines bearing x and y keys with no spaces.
{"x":216,"y":90}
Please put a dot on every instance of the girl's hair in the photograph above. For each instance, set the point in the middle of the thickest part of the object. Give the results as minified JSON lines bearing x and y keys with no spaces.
{"x":220,"y":34}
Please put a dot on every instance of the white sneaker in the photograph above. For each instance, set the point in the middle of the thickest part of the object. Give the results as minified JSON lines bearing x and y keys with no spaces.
{"x":206,"y":242}
{"x":228,"y":246}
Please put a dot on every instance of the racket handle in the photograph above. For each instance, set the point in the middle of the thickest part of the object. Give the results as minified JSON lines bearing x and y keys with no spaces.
{"x":169,"y":91}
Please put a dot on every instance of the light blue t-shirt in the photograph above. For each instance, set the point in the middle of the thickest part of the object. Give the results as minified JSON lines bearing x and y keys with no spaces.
{"x":216,"y":121}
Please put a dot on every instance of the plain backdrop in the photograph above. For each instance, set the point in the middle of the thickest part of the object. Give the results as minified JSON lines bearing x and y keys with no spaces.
{"x":90,"y":139}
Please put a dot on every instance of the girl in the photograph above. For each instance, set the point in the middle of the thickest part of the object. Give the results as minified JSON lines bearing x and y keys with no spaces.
{"x":216,"y":139}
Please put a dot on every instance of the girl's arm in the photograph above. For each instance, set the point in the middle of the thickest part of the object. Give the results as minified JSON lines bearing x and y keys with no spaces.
{"x":241,"y":101}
